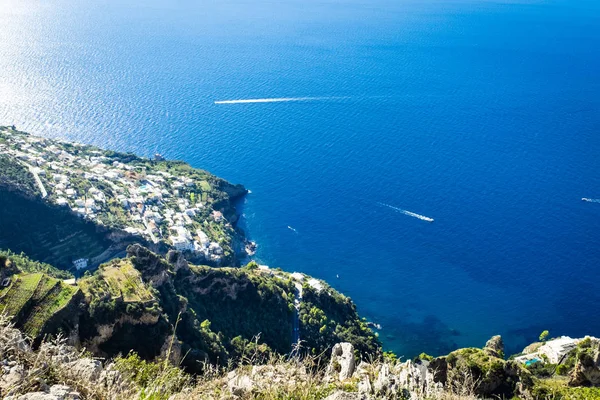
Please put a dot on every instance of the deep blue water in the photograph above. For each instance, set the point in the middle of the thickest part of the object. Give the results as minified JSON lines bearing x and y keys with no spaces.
{"x":483,"y":115}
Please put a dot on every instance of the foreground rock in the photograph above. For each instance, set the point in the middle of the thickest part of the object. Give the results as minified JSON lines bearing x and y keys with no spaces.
{"x":495,"y":347}
{"x":41,"y":375}
{"x":475,"y":370}
{"x":587,"y":367}
{"x":342,"y":361}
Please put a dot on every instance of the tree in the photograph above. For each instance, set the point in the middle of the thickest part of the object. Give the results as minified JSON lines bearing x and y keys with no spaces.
{"x":544,"y":336}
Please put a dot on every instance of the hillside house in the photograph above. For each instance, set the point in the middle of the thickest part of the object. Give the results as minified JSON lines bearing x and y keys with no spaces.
{"x":80,"y":263}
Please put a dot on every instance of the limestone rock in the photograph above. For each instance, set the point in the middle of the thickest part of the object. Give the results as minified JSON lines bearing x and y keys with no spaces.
{"x":64,"y":392}
{"x":474,"y":370}
{"x":341,"y":395}
{"x":239,"y":385}
{"x":55,"y":392}
{"x":342,"y":361}
{"x":385,"y":382}
{"x":587,"y":366}
{"x":364,"y":386}
{"x":34,"y":396}
{"x":86,"y":369}
{"x":495,"y":347}
{"x":417,"y":381}
{"x":242,"y":381}
{"x":11,"y":377}
{"x":364,"y":383}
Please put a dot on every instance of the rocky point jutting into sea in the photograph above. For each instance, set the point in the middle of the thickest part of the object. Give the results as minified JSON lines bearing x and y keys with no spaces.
{"x":121,"y":277}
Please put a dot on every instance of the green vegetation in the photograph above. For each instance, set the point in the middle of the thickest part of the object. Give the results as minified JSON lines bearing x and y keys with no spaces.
{"x":16,"y":176}
{"x":155,"y":380}
{"x":328,"y":317}
{"x":544,"y":336}
{"x":33,"y":300}
{"x":558,"y":389}
{"x":390,"y":357}
{"x":47,"y":233}
{"x":424,"y":356}
{"x":113,"y":192}
{"x":489,"y":375}
{"x":117,"y":279}
{"x":22,"y":263}
{"x":226,"y":314}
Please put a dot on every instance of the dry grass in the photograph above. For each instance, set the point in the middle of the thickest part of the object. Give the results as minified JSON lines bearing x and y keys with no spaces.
{"x":129,"y":378}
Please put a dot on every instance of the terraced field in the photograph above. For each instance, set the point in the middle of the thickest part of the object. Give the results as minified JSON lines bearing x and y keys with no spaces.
{"x":15,"y":297}
{"x":47,"y":233}
{"x":55,"y":299}
{"x":33,"y":299}
{"x":119,"y":279}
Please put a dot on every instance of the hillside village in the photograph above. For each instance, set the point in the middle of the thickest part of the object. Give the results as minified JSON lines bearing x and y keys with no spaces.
{"x":161,"y":201}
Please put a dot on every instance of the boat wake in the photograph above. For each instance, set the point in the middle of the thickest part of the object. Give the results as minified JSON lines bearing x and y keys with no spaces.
{"x":591,"y":200}
{"x":277,"y":100}
{"x":409,"y":213}
{"x":292,"y":229}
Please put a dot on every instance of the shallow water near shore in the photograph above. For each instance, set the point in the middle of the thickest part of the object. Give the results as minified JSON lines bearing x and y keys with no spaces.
{"x":482,"y":116}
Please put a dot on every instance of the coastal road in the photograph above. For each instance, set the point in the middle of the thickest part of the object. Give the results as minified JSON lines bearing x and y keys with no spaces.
{"x":37,"y":179}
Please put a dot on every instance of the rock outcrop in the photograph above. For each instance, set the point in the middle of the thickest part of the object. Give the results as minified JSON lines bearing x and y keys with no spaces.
{"x":341,"y":395}
{"x":495,"y":347}
{"x":587,"y":365}
{"x":342,"y":362}
{"x":474,"y":370}
{"x":26,"y":374}
{"x":259,"y":378}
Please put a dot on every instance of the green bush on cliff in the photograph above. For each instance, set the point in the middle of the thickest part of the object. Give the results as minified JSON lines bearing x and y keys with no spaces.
{"x":489,"y":375}
{"x":328,"y":317}
{"x":240,"y":303}
{"x":24,"y":264}
{"x":16,"y":176}
{"x":557,"y":389}
{"x":156,"y":380}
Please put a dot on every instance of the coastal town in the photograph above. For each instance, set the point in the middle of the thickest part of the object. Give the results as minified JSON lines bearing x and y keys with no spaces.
{"x":161,"y":201}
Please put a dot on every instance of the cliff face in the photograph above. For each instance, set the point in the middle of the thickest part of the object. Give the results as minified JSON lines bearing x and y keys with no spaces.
{"x":218,"y":315}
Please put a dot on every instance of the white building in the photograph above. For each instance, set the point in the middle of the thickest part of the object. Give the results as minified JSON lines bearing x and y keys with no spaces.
{"x":181,"y":243}
{"x":297,"y":276}
{"x":215,"y":248}
{"x":80,"y":263}
{"x":204,"y":240}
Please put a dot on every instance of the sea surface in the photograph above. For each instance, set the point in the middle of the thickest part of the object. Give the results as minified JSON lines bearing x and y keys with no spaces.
{"x":482,"y":115}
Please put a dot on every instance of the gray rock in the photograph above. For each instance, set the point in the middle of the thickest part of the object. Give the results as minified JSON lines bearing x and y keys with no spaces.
{"x":239,"y":384}
{"x":64,"y":392}
{"x":342,"y":361}
{"x":364,"y":383}
{"x":13,"y":376}
{"x":55,"y":392}
{"x":385,"y":382}
{"x":587,"y":367}
{"x":495,"y":347}
{"x":86,"y":369}
{"x":340,"y":395}
{"x":34,"y":396}
{"x":417,"y":381}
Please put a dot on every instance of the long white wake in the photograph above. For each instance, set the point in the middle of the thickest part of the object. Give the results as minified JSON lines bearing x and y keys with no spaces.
{"x":409,"y":213}
{"x":277,"y":100}
{"x":591,"y":200}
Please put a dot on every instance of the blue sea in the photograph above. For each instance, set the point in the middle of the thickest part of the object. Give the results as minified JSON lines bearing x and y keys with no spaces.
{"x":483,"y":115}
